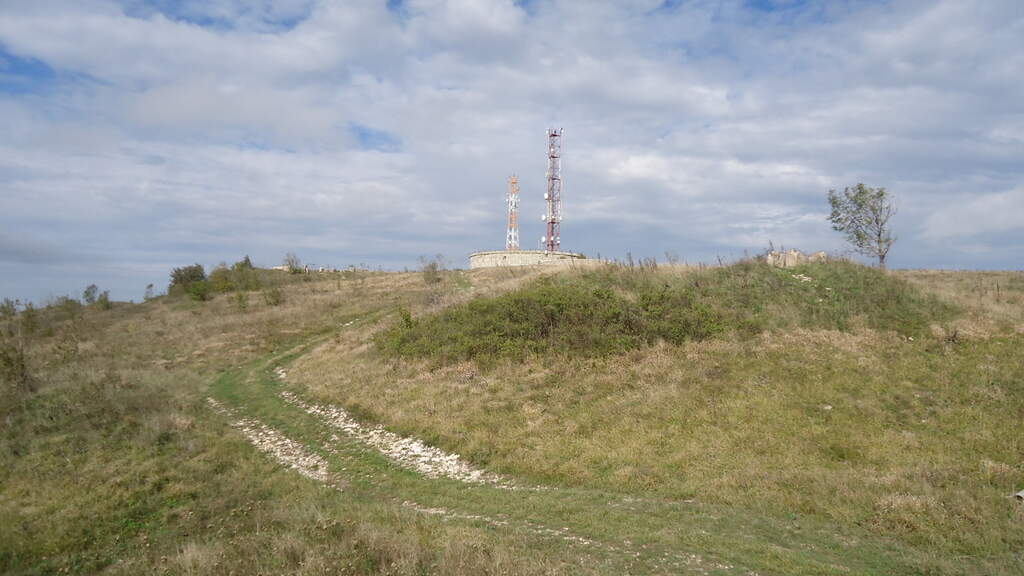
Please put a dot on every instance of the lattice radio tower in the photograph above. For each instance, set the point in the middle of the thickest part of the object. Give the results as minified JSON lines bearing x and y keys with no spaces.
{"x":553,"y":240}
{"x":512,"y":236}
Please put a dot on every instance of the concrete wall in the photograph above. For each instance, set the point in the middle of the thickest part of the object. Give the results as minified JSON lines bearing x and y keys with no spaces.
{"x":791,"y":258}
{"x":496,"y":258}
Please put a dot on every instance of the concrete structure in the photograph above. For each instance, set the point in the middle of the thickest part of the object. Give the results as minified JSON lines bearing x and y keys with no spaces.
{"x":496,"y":258}
{"x":791,"y":258}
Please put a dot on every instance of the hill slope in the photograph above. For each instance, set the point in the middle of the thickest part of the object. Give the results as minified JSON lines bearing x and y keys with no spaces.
{"x":650,"y":421}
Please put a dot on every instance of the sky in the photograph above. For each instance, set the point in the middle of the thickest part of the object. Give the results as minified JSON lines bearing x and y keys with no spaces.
{"x":137,"y":136}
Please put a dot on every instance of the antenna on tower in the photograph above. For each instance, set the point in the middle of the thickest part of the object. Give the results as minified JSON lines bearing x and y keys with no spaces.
{"x":512,"y":236}
{"x":553,"y":240}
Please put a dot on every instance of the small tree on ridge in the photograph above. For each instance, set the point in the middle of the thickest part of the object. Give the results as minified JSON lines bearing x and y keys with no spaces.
{"x":862,"y":214}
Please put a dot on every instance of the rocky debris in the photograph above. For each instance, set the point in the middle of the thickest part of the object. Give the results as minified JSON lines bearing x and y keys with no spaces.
{"x":791,"y":258}
{"x":283,"y":449}
{"x":279,"y":373}
{"x":409,"y":453}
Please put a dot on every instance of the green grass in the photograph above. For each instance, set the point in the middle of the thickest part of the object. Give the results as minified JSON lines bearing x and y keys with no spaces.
{"x":685,"y":415}
{"x":113,"y":463}
{"x":613,"y":310}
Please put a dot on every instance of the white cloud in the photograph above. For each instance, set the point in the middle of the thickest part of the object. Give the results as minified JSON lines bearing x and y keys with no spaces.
{"x":975,"y":215}
{"x":708,"y":128}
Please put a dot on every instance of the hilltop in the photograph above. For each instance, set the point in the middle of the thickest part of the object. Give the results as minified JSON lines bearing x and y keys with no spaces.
{"x":739,"y":419}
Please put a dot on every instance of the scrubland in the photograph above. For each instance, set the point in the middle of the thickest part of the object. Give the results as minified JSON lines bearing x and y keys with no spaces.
{"x":740,"y":419}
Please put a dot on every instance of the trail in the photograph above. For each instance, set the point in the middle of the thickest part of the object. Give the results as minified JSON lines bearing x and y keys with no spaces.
{"x":286,"y":451}
{"x":295,"y":456}
{"x":409,"y":453}
{"x":575,"y":517}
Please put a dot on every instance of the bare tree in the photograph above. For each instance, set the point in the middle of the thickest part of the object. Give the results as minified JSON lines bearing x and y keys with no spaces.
{"x":293,"y":263}
{"x":862,"y":214}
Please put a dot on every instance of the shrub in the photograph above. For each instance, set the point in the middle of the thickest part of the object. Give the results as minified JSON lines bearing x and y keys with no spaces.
{"x":273,"y":296}
{"x":89,"y":294}
{"x":8,"y":308}
{"x":432,"y":268}
{"x":243,"y":275}
{"x":14,"y":371}
{"x":199,"y":290}
{"x":29,"y":319}
{"x":221,"y":279}
{"x":182,"y":278}
{"x":70,"y":308}
{"x":241,"y":300}
{"x":677,"y":316}
{"x":103,"y":300}
{"x":292,"y":262}
{"x":613,"y":309}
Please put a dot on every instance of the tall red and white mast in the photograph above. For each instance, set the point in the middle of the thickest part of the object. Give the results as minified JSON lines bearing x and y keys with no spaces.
{"x":512,"y":235}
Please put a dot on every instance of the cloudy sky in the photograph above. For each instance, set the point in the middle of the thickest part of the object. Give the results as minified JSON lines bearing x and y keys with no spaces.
{"x":139,"y":135}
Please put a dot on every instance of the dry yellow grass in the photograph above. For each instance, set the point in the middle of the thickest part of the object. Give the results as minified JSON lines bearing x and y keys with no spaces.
{"x":993,"y":301}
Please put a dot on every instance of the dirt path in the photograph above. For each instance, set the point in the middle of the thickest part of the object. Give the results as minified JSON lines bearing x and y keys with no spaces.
{"x":433,"y":463}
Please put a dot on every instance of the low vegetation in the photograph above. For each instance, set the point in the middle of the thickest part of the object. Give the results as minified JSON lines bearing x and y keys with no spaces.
{"x":827,"y":419}
{"x":112,"y":462}
{"x":615,"y":309}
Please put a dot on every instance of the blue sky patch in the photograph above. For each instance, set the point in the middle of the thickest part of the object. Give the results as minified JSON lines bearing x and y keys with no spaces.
{"x":216,"y":16}
{"x":373,"y":139}
{"x":20,"y":75}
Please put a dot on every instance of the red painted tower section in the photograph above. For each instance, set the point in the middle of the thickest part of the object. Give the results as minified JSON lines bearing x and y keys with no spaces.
{"x":512,"y":234}
{"x":553,"y":238}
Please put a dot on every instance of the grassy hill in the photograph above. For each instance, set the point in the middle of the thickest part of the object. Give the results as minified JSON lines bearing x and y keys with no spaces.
{"x":742,"y":419}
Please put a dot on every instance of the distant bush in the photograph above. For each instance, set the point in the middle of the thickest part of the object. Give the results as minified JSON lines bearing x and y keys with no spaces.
{"x":240,"y":276}
{"x":14,"y":369}
{"x":103,"y":301}
{"x":200,"y":290}
{"x":8,"y":308}
{"x":241,"y":301}
{"x":69,"y":308}
{"x":614,"y":309}
{"x":89,"y":294}
{"x":292,"y":262}
{"x":220,"y":279}
{"x":431,"y":268}
{"x":273,"y":296}
{"x":29,"y":318}
{"x":182,"y":278}
{"x":243,"y":275}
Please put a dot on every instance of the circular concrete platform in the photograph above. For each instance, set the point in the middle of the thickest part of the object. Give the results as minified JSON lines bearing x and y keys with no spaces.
{"x":496,"y":258}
